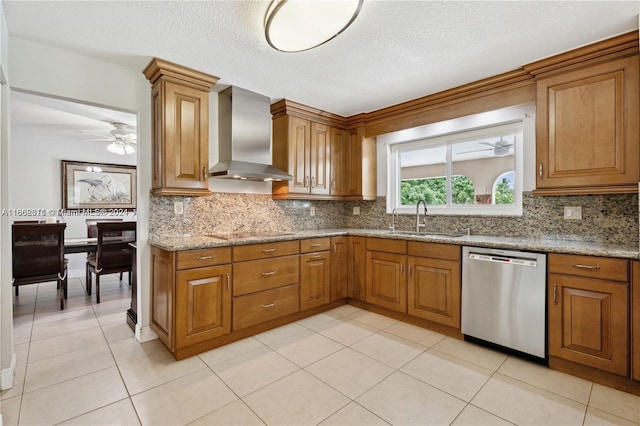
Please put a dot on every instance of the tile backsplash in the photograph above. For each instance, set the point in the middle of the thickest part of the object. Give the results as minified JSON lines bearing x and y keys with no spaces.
{"x":605,"y":218}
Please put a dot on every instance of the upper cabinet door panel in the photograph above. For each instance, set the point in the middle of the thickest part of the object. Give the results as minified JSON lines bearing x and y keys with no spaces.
{"x":187,"y":109}
{"x":587,"y":127}
{"x":299,"y":148}
{"x":320,"y":159}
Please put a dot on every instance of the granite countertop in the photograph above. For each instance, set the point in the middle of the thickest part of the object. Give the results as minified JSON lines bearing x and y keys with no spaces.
{"x":550,"y":245}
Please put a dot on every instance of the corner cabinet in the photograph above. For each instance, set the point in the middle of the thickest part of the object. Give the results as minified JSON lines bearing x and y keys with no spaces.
{"x":180,"y":130}
{"x":327,"y":160}
{"x":587,"y":129}
{"x":191,"y":296}
{"x":588,"y":311}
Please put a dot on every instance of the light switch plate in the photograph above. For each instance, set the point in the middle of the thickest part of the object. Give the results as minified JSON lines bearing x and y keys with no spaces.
{"x":356,"y":211}
{"x":178,"y":207}
{"x":573,"y":212}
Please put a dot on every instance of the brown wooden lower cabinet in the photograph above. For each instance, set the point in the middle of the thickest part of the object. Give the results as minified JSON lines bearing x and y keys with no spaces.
{"x":356,"y":264}
{"x":588,"y":315}
{"x":191,"y":295}
{"x":339,"y":268}
{"x":386,"y":279}
{"x":203,"y":304}
{"x":264,"y":306}
{"x":434,"y":290}
{"x":635,"y":321}
{"x":315,"y":279}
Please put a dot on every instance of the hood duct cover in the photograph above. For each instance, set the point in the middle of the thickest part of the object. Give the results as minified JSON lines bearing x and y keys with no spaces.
{"x":244,"y":137}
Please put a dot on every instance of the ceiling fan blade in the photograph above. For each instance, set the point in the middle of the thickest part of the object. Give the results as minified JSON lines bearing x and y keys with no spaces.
{"x":475,"y":150}
{"x":488,"y":144}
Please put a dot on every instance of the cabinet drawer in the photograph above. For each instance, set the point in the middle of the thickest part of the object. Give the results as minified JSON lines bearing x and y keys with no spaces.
{"x":434,"y":250}
{"x":265,"y":274}
{"x":314,"y":244}
{"x":189,"y":259}
{"x":265,"y":251}
{"x":589,"y":266}
{"x":389,"y":246}
{"x":264,"y":306}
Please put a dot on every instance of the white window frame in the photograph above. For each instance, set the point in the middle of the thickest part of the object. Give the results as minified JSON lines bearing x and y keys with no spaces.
{"x":447,"y":132}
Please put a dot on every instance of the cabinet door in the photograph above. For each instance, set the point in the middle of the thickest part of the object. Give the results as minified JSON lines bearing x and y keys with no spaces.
{"x":185,"y":155}
{"x":386,"y":280}
{"x":339,"y":270}
{"x":588,"y":322}
{"x":339,"y":155}
{"x":299,"y":155}
{"x":162,"y":295}
{"x":320,"y":159}
{"x":356,"y":264}
{"x":587,"y":127}
{"x":434,"y":290}
{"x":315,"y":279}
{"x":635,"y":321}
{"x":203,"y":309}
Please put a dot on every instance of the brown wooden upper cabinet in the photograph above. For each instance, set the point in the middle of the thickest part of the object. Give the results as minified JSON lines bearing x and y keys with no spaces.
{"x":326,"y":160}
{"x":180,"y":130}
{"x":587,"y":129}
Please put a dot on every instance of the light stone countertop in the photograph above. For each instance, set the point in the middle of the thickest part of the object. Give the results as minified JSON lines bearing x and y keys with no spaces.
{"x":592,"y":248}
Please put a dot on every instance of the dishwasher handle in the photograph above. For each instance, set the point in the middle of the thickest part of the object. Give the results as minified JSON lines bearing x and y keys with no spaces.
{"x":503,"y":259}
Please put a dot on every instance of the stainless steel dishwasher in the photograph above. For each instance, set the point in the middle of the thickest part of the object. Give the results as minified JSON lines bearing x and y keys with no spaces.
{"x":504,"y":299}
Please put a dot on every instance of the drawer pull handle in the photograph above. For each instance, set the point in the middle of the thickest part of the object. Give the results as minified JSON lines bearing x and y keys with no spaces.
{"x":577,"y":265}
{"x":271,"y":250}
{"x":555,"y":290}
{"x":317,"y":256}
{"x":334,"y":248}
{"x":316,"y":245}
{"x":540,"y":170}
{"x":270,"y":305}
{"x":228,"y":282}
{"x":266,"y":274}
{"x":205,"y":257}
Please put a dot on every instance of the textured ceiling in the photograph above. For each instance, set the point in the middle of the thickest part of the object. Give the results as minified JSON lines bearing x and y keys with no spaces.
{"x":395,"y":51}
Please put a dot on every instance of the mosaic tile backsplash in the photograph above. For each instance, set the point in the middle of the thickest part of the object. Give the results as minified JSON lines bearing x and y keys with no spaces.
{"x":606,"y":218}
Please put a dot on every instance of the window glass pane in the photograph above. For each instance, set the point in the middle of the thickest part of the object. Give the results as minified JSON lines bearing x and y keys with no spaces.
{"x":423,"y":175}
{"x":476,"y":166}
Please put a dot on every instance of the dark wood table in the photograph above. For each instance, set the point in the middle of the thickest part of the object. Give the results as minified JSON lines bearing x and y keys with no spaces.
{"x":80,"y":245}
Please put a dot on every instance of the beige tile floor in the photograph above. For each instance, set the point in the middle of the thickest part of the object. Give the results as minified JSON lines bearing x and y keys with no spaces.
{"x":82,"y":366}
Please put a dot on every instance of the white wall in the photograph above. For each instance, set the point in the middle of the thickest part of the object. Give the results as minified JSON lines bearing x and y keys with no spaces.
{"x":7,"y":357}
{"x":55,"y":72}
{"x":38,"y":185}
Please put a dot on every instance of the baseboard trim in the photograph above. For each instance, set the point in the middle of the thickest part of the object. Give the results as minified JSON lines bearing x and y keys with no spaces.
{"x":7,"y":375}
{"x":145,"y":334}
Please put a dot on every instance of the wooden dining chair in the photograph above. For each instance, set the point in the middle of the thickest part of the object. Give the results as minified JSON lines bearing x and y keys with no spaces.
{"x":37,"y":255}
{"x":113,"y":253}
{"x":92,"y":232}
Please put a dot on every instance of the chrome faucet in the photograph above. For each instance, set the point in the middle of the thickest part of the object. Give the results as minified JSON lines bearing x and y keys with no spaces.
{"x":418,"y":224}
{"x":394,"y":214}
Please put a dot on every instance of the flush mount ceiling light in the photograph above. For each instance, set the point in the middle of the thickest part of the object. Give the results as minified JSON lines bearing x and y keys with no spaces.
{"x":297,"y":25}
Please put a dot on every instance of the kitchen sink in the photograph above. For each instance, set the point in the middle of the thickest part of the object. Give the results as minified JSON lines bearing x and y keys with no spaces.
{"x":429,"y":234}
{"x":247,"y":234}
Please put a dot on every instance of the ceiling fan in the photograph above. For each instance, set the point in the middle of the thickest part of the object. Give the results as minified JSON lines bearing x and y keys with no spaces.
{"x":500,"y":148}
{"x":123,"y":139}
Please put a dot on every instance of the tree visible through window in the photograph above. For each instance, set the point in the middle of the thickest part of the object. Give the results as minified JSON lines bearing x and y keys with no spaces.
{"x":434,"y":190}
{"x":503,"y":189}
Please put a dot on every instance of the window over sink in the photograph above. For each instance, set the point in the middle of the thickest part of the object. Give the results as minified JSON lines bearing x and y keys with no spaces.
{"x":467,"y":166}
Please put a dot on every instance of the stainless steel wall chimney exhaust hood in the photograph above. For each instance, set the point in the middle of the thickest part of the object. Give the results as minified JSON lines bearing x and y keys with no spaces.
{"x":244,"y":137}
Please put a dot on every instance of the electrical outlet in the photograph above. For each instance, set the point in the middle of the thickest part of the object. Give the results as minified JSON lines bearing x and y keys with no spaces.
{"x":573,"y":212}
{"x":312,"y":211}
{"x":356,"y":211}
{"x":178,"y":207}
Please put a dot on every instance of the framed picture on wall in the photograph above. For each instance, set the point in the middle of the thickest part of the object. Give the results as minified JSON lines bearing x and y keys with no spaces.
{"x":98,"y":186}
